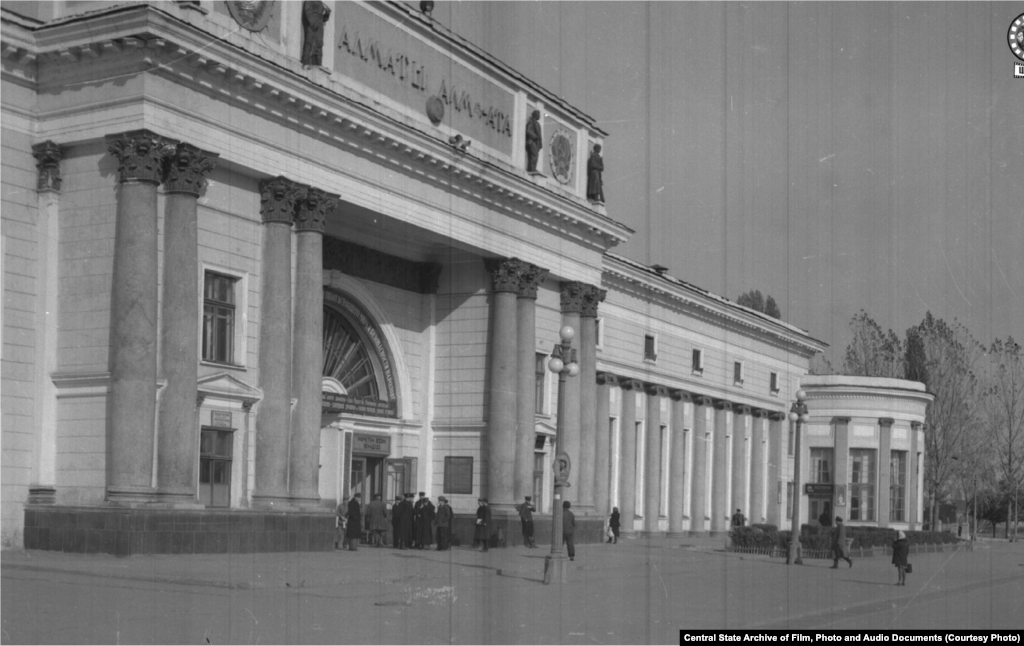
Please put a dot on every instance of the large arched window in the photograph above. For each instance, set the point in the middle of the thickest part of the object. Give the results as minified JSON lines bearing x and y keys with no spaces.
{"x":347,"y":357}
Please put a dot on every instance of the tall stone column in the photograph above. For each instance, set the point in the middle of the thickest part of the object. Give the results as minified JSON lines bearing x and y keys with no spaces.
{"x":177,"y":426}
{"x":43,"y":490}
{"x":308,"y":345}
{"x":739,"y":459}
{"x":720,"y":511}
{"x":502,"y":413}
{"x":758,"y":512}
{"x":698,"y":485}
{"x":603,"y":444}
{"x":884,"y":474}
{"x":627,"y":457}
{"x":913,"y":476}
{"x":530,"y":279}
{"x":572,"y":305}
{"x":278,"y":197}
{"x":652,"y":459}
{"x":841,"y":433}
{"x":589,"y":424}
{"x":776,"y":458}
{"x":677,"y":464}
{"x":133,"y":318}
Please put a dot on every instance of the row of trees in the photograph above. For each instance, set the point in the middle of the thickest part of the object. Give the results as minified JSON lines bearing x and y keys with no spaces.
{"x":974,"y":438}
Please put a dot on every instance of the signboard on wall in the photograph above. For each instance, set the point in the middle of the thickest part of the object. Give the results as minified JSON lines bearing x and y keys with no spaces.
{"x":818,"y":489}
{"x":365,"y":443}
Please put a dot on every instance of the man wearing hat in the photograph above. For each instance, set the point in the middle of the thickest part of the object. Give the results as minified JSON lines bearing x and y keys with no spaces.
{"x":483,"y":524}
{"x":417,"y":521}
{"x":404,"y":538}
{"x":526,"y":516}
{"x":427,"y":514}
{"x":444,"y":524}
{"x":354,"y":522}
{"x":569,"y":530}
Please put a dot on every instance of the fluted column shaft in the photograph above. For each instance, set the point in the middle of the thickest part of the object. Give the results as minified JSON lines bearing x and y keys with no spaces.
{"x":720,"y":511}
{"x":841,"y":433}
{"x":530,"y":279}
{"x":884,"y":473}
{"x":698,"y":484}
{"x":178,"y":428}
{"x":590,"y":426}
{"x":307,"y":378}
{"x":273,"y":424}
{"x":758,"y":513}
{"x":776,"y":458}
{"x":652,"y":459}
{"x":739,"y":458}
{"x":572,"y":304}
{"x":627,"y":457}
{"x":502,"y":412}
{"x":603,"y":445}
{"x":913,"y":475}
{"x":677,"y":464}
{"x":133,"y":321}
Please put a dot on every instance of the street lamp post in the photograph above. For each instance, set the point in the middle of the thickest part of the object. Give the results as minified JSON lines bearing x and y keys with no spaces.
{"x":797,"y":414}
{"x":563,"y":363}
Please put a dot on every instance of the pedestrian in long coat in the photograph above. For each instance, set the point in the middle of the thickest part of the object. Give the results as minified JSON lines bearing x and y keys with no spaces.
{"x":404,"y":538}
{"x":839,"y":544}
{"x":354,"y":522}
{"x":417,"y":522}
{"x":900,"y":552}
{"x":569,"y":529}
{"x":444,"y":524}
{"x":483,"y":524}
{"x":427,"y":514}
{"x":613,"y":524}
{"x":377,"y":519}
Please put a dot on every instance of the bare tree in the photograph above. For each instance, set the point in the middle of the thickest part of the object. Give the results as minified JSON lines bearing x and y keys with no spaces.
{"x":1005,"y":398}
{"x":872,"y":352}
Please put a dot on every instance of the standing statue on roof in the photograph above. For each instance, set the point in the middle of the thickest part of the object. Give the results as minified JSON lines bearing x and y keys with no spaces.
{"x":534,"y":141}
{"x":314,"y":15}
{"x":595,"y":169}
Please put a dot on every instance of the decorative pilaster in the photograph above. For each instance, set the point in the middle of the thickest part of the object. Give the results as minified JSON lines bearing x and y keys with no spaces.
{"x":627,"y":457}
{"x":677,"y":463}
{"x":572,"y":294}
{"x":530,"y":279}
{"x":502,"y":412}
{"x":776,"y":458}
{"x":720,"y":512}
{"x":758,"y":512}
{"x":701,"y":446}
{"x":739,"y":459}
{"x":133,"y":350}
{"x":48,"y":156}
{"x":177,"y":426}
{"x":884,"y":474}
{"x":589,"y":424}
{"x":914,"y":476}
{"x":841,"y":433}
{"x":307,"y":345}
{"x":278,"y":198}
{"x":603,"y":443}
{"x":652,"y":459}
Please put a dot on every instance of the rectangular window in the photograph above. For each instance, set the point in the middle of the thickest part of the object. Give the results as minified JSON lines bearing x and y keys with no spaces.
{"x":821,"y":466}
{"x":540,"y":372}
{"x":737,"y":372}
{"x":650,"y":348}
{"x":599,"y":332}
{"x":862,"y":484}
{"x":218,"y":318}
{"x":638,"y":486}
{"x":215,"y":451}
{"x":897,"y":486}
{"x":538,"y":480}
{"x":698,"y":360}
{"x":774,"y":383}
{"x":458,"y":475}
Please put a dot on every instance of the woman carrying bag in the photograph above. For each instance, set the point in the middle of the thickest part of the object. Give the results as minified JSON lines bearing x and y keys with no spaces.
{"x":900,"y":551}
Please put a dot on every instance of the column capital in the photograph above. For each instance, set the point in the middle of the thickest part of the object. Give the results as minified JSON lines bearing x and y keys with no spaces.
{"x":48,"y":157}
{"x":530,"y":278}
{"x":140,"y":155}
{"x":607,"y":379}
{"x":592,"y":297}
{"x":186,"y":167}
{"x":656,"y":390}
{"x":721,"y":404}
{"x":572,"y":296}
{"x":312,"y":209}
{"x":776,"y":416}
{"x":680,"y":395}
{"x":741,"y":409}
{"x":840,"y":421}
{"x":505,"y":273}
{"x":630,"y":384}
{"x":916,"y":426}
{"x":702,"y":400}
{"x":885,"y":421}
{"x":277,"y":199}
{"x":759,"y":413}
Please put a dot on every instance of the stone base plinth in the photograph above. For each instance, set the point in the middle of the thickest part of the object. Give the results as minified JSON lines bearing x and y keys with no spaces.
{"x":127,"y":531}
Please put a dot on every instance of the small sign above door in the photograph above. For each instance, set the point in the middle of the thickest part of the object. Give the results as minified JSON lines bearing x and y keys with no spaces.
{"x":365,"y":443}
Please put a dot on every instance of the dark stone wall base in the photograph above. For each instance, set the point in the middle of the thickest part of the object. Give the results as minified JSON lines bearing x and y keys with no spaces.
{"x":507,"y":531}
{"x":126,"y":531}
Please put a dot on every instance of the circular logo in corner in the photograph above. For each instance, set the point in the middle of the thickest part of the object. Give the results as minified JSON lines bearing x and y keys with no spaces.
{"x":560,"y":156}
{"x":1015,"y":37}
{"x":251,"y":14}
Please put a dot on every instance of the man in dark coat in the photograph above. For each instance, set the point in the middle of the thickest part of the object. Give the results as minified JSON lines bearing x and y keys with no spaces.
{"x":533,"y":141}
{"x":417,"y":522}
{"x":377,"y":520}
{"x":354,"y":522}
{"x":613,"y":524}
{"x":526,"y":516}
{"x":839,"y":544}
{"x":738,"y":519}
{"x":569,"y":530}
{"x":404,"y":538}
{"x":595,"y":170}
{"x":483,"y":524}
{"x":426,"y":523}
{"x":444,"y":524}
{"x":395,"y":512}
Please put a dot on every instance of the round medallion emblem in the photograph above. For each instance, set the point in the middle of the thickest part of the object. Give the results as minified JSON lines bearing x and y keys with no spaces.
{"x":251,"y":14}
{"x":1015,"y":37}
{"x":560,"y":156}
{"x":435,"y":110}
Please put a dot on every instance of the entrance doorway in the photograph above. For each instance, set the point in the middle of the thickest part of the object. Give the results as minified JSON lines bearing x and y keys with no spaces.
{"x":367,"y":477}
{"x":818,"y":506}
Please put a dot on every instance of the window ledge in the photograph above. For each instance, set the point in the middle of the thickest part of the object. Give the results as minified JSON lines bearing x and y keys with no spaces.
{"x":218,"y":364}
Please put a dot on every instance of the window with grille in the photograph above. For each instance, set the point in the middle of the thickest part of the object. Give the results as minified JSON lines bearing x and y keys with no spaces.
{"x":215,"y":456}
{"x":897,"y":485}
{"x":218,"y":318}
{"x":540,"y":376}
{"x":862,"y":484}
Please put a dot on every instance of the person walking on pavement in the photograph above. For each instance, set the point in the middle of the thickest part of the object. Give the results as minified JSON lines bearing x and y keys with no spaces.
{"x":526,"y":516}
{"x":613,"y":524}
{"x":900,"y":551}
{"x":354,"y":522}
{"x":569,"y":529}
{"x":427,"y":515}
{"x":839,"y":544}
{"x":738,"y":519}
{"x":483,"y":524}
{"x":377,"y":520}
{"x":444,"y":524}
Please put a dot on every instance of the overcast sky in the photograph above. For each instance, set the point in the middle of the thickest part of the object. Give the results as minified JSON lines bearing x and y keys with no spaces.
{"x":837,"y":156}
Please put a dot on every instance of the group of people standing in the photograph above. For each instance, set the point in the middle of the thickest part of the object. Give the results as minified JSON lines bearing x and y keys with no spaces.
{"x":413,"y":526}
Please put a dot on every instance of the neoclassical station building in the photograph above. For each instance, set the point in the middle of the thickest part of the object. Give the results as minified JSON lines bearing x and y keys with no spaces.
{"x":259,"y":256}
